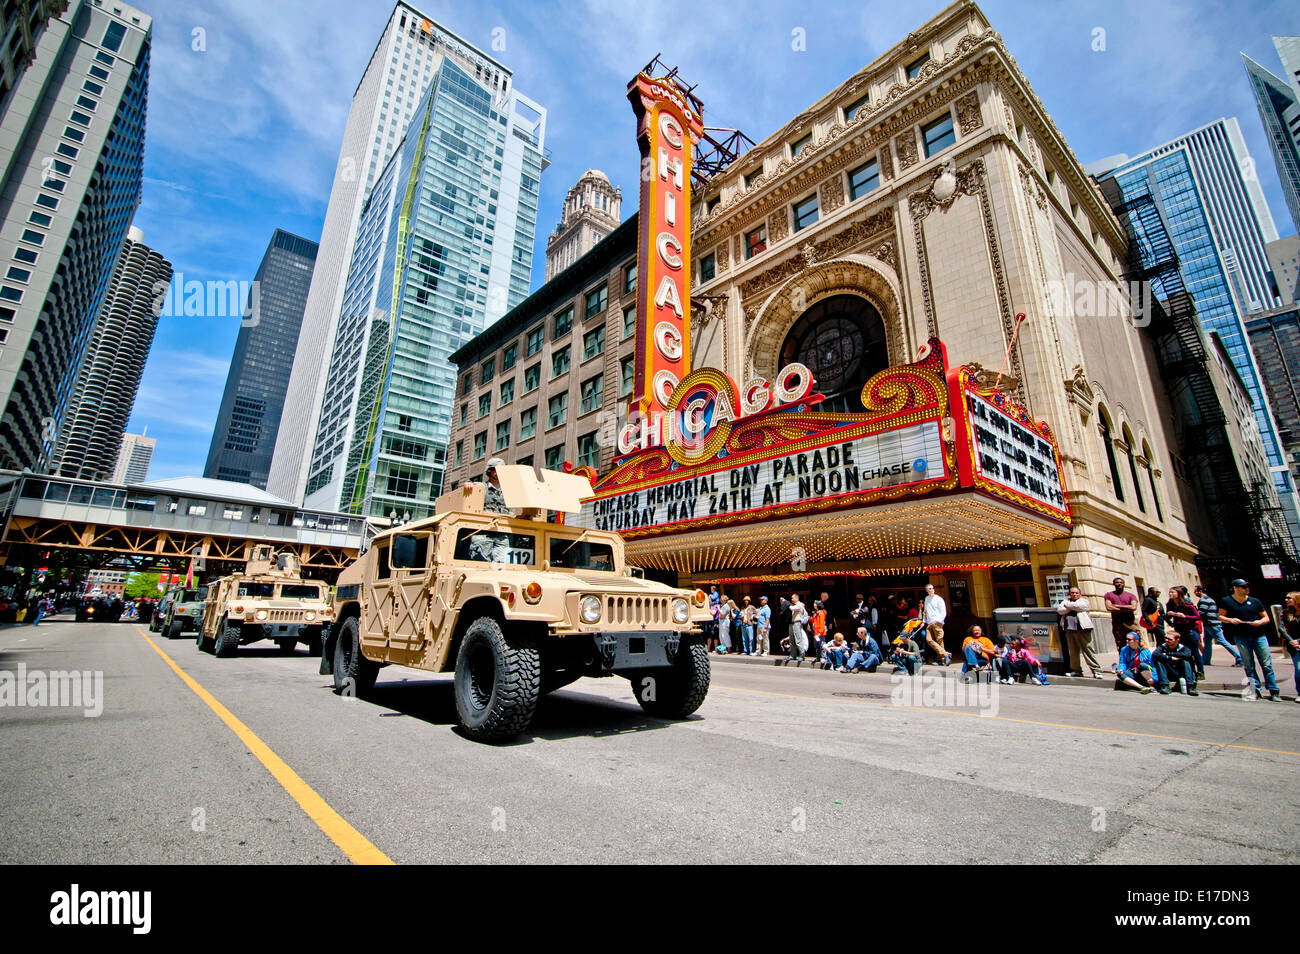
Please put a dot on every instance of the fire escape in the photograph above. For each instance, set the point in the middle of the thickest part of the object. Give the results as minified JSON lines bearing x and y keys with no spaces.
{"x":1203,"y":437}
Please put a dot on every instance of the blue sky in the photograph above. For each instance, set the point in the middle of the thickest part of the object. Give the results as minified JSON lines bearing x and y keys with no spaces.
{"x":243,"y":134}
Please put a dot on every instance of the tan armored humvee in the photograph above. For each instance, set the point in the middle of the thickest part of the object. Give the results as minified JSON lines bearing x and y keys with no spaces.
{"x":516,"y":607}
{"x":269,"y":600}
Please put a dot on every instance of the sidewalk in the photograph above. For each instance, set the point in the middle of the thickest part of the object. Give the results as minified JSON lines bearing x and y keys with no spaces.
{"x":1218,"y":678}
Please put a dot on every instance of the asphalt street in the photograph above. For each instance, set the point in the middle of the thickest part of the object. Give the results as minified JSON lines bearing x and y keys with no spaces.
{"x":779,"y":765}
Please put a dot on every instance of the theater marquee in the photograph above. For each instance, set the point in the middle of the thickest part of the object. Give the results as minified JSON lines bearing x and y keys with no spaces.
{"x":926,"y":431}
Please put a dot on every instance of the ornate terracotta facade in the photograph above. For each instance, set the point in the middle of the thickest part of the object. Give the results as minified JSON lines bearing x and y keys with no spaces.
{"x":953,"y":246}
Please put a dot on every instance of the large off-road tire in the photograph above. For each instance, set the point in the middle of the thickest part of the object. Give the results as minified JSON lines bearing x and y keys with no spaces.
{"x":312,"y":637}
{"x":676,"y":690}
{"x":174,"y":629}
{"x":498,"y":682}
{"x":287,"y":646}
{"x":204,"y":644}
{"x":353,"y":672}
{"x":153,"y":622}
{"x":227,"y":640}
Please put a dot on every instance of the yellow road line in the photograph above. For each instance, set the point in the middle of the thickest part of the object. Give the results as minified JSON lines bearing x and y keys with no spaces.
{"x":976,"y":715}
{"x":353,"y":844}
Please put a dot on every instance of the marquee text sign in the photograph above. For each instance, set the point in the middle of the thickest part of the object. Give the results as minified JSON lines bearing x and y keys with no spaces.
{"x":667,"y":132}
{"x":1012,"y":456}
{"x":906,"y":455}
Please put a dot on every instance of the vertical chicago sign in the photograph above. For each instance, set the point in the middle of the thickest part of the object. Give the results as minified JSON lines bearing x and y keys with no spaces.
{"x":668,"y":130}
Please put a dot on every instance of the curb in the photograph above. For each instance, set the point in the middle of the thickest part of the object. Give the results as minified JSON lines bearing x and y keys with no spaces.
{"x":953,"y":670}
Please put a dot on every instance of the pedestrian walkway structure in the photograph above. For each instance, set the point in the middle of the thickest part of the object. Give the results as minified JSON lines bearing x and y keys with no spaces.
{"x":165,"y":524}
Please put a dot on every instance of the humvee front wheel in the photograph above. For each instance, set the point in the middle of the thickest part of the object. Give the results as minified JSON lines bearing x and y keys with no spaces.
{"x":174,"y":629}
{"x":675,"y":691}
{"x":201,"y":640}
{"x":227,"y":640}
{"x":313,"y":637}
{"x":354,"y":674}
{"x":498,"y":682}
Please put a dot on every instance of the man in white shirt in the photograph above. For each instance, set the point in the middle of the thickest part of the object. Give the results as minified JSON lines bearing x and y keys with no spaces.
{"x":934,"y":611}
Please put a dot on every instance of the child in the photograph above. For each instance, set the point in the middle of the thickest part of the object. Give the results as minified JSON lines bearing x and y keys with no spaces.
{"x":837,"y":652}
{"x":819,"y":630}
{"x":1025,"y":662}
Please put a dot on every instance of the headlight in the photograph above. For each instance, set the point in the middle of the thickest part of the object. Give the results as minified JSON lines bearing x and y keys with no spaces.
{"x":262,"y":614}
{"x":681,"y":612}
{"x":590,"y":609}
{"x":309,"y":616}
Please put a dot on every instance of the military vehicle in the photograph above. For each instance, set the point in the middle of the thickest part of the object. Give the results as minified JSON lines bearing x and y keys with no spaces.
{"x":181,"y":609}
{"x":268,"y":600}
{"x":516,"y":606}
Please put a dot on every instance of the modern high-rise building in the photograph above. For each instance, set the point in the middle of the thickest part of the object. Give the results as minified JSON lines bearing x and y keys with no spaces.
{"x":1275,"y":339}
{"x":21,"y":25}
{"x":1284,"y":263}
{"x":1219,"y":225}
{"x":444,"y":247}
{"x":1278,"y":101}
{"x":71,"y":164}
{"x":591,"y":212}
{"x":104,"y":394}
{"x":244,"y":438}
{"x":133,"y":459}
{"x":403,"y":64}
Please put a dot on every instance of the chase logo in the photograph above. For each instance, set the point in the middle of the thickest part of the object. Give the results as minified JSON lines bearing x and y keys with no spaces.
{"x":919,"y":465}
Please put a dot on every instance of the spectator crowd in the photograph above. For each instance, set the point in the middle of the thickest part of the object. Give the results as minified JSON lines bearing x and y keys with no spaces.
{"x":1162,"y":647}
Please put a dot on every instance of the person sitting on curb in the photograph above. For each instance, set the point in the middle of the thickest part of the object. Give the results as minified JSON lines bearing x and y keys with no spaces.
{"x":1024,"y":662}
{"x":1173,"y":661}
{"x":837,"y":653}
{"x":979,"y":651}
{"x":1134,"y":668}
{"x":906,"y":655}
{"x":867,"y":656}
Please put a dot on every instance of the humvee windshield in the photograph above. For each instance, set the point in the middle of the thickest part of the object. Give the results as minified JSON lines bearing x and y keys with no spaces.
{"x":299,"y":591}
{"x":257,"y":590}
{"x":581,"y":555}
{"x":189,"y":596}
{"x":492,"y":546}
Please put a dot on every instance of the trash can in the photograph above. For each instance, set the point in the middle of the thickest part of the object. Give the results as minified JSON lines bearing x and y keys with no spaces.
{"x":1040,"y":628}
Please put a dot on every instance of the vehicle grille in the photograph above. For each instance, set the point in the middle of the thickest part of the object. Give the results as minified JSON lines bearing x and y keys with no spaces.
{"x":285,"y":616}
{"x":628,"y":610}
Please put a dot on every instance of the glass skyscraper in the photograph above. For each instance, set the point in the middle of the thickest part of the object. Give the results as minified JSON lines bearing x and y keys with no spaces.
{"x":1278,"y":101}
{"x":403,"y":64}
{"x":244,"y":438}
{"x":1214,"y":224}
{"x":444,"y":246}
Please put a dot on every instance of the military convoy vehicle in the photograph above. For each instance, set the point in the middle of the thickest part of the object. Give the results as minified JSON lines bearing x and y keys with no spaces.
{"x":181,"y":609}
{"x":516,"y":606}
{"x":268,"y":600}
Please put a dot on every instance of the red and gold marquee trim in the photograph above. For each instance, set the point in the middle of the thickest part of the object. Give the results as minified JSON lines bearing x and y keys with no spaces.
{"x":898,"y":397}
{"x":963,"y":382}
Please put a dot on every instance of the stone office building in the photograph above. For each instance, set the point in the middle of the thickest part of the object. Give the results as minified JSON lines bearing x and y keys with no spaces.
{"x":927,"y":198}
{"x":549,"y":382}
